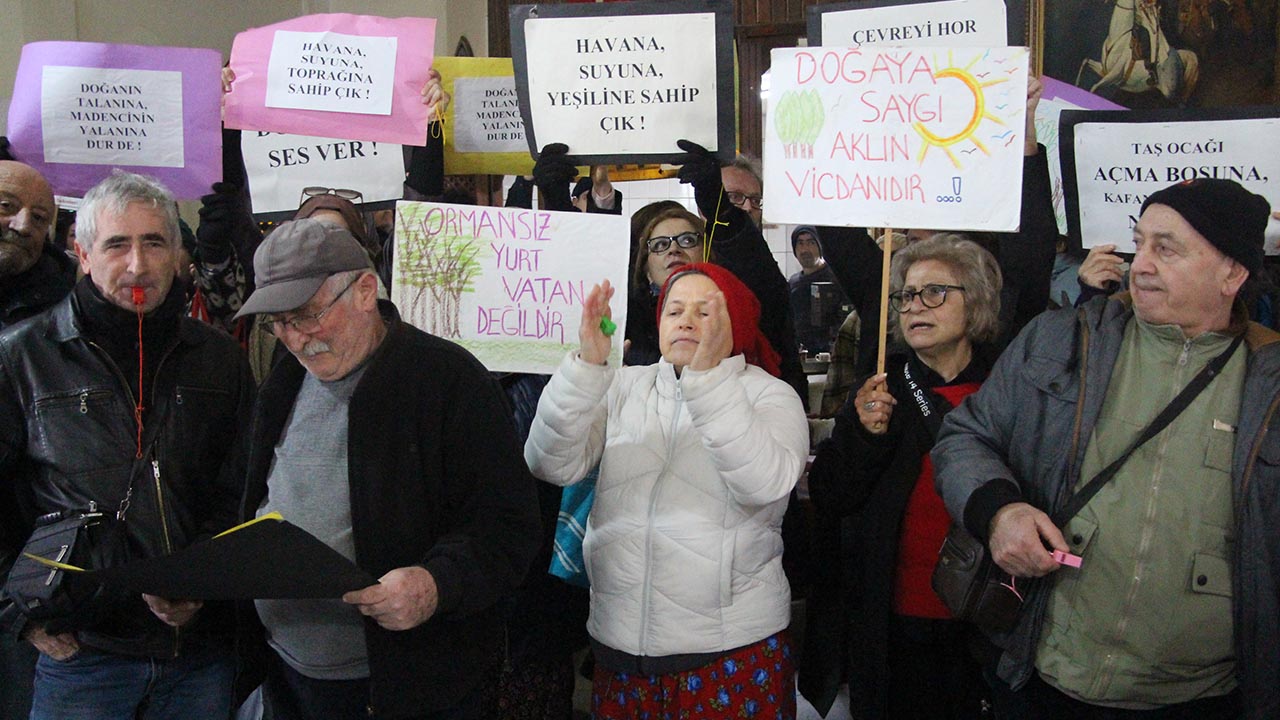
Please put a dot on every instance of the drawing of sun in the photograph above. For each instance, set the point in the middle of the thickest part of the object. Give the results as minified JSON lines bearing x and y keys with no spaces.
{"x":980,"y":113}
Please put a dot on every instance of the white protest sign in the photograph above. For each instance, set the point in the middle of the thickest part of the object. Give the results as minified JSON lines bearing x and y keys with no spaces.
{"x":1118,"y":164}
{"x":331,"y":72}
{"x":487,"y":113}
{"x":108,"y":116}
{"x":896,"y":137}
{"x":952,"y":23}
{"x":623,"y":85}
{"x":507,"y":283}
{"x":281,"y":165}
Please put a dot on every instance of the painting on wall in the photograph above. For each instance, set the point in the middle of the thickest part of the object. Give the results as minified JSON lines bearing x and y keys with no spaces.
{"x":1166,"y":53}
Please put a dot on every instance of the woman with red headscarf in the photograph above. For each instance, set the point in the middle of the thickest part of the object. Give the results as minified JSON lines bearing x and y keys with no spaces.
{"x":697,"y":454}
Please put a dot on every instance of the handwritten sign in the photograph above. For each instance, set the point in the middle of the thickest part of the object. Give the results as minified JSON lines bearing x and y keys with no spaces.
{"x":909,"y":23}
{"x":896,"y":137}
{"x":81,"y":109}
{"x":357,"y":77}
{"x":331,"y":71}
{"x":617,"y":81}
{"x":1114,"y":160}
{"x":280,"y":166}
{"x":1058,"y":97}
{"x":506,"y":283}
{"x":484,"y":130}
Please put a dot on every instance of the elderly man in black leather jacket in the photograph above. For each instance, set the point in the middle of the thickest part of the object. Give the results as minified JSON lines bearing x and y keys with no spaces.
{"x":114,"y":397}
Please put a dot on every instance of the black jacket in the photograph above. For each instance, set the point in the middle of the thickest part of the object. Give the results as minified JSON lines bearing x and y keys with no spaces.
{"x":438,"y":480}
{"x":42,"y":285}
{"x":68,"y":436}
{"x":860,"y":485}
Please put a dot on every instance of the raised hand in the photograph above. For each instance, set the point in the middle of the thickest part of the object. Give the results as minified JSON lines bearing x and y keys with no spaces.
{"x":1101,"y":269}
{"x":434,"y":96}
{"x":594,"y":344}
{"x":716,"y":341}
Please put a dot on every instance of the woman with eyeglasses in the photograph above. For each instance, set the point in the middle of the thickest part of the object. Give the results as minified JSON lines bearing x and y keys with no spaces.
{"x":698,"y":454}
{"x":907,"y":658}
{"x":666,"y":236}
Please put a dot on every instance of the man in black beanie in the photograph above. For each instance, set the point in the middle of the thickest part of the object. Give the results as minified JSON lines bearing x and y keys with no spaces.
{"x":1159,"y":596}
{"x":816,"y":296}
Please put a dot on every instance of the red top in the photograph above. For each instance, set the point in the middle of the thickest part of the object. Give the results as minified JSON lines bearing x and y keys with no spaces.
{"x":924,"y":527}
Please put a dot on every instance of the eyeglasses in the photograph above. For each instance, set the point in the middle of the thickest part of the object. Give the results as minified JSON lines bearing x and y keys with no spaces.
{"x":661,"y":244}
{"x":355,"y":196}
{"x":931,"y":296}
{"x":303,"y":323}
{"x":741,"y":200}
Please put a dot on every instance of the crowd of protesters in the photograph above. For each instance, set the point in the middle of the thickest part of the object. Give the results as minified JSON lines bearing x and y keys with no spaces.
{"x":188,"y":381}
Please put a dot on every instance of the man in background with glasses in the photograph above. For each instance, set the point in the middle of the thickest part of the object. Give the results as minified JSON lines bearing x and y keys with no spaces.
{"x":744,"y":186}
{"x":396,"y":449}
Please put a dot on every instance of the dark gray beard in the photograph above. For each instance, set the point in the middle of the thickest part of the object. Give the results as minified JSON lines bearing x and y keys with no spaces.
{"x":16,"y":253}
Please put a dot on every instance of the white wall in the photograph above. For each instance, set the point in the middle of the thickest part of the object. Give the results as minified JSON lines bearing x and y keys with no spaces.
{"x":202,"y":23}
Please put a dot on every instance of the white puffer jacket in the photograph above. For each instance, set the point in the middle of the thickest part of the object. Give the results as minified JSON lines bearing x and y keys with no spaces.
{"x":684,"y":545}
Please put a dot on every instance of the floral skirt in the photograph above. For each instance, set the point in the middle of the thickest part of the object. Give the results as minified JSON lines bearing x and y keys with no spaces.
{"x":758,"y":681}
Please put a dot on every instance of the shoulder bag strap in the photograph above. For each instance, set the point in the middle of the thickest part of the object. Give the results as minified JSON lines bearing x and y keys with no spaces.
{"x":1166,"y":416}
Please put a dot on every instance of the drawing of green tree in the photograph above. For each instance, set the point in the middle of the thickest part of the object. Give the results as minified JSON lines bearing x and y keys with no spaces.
{"x":438,"y":266}
{"x":798,"y":119}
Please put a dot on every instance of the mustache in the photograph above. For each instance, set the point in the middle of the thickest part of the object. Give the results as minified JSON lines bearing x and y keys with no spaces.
{"x":10,"y":235}
{"x":315,"y":347}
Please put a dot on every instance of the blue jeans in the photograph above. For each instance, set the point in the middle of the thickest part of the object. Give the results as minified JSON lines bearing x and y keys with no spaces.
{"x":93,"y":685}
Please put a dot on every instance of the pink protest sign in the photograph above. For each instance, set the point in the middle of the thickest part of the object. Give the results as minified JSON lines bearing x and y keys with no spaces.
{"x":81,"y":109}
{"x":355,"y":77}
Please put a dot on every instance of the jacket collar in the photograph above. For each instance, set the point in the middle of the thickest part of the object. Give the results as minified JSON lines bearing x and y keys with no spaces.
{"x":65,"y":324}
{"x":667,"y":381}
{"x":1256,"y":335}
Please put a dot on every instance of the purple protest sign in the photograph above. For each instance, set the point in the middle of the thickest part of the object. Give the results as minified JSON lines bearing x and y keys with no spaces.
{"x":356,"y":77}
{"x":80,"y":109}
{"x":1082,"y":99}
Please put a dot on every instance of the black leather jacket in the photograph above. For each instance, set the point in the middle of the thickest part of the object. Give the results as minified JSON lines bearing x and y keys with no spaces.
{"x":68,"y":437}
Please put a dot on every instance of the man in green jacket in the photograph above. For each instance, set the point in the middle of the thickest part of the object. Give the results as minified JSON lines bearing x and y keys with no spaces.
{"x":1173,"y":611}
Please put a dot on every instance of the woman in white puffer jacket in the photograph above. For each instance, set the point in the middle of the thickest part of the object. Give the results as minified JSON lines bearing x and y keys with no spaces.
{"x":697,"y":454}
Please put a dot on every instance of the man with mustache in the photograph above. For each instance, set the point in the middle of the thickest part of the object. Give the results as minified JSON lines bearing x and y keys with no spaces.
{"x":33,"y":273}
{"x":1158,"y":596}
{"x":396,"y":449}
{"x":114,"y":398}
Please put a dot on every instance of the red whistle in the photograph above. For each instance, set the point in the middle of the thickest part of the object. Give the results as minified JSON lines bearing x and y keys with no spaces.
{"x":139,"y":295}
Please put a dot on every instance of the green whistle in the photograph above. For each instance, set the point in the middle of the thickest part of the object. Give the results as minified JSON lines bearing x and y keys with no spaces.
{"x":607,"y":326}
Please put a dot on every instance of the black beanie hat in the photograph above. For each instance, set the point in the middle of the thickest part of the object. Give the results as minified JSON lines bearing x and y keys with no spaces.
{"x":1231,"y":218}
{"x":801,"y":230}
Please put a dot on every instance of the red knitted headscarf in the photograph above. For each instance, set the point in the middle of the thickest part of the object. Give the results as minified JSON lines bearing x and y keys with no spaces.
{"x":744,"y":314}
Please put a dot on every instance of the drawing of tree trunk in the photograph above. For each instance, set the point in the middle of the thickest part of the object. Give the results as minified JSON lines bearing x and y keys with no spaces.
{"x":439,"y":267}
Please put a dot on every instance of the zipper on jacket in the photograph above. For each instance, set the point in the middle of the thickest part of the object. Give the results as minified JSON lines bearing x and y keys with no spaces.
{"x":164,"y":530}
{"x":646,"y":601}
{"x":155,"y":461}
{"x":1186,"y":353}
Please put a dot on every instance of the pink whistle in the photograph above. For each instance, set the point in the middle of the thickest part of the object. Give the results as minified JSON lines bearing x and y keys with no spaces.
{"x":1066,"y":558}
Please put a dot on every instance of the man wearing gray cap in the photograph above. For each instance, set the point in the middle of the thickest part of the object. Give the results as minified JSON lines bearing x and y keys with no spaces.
{"x":1158,"y":590}
{"x":396,"y":449}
